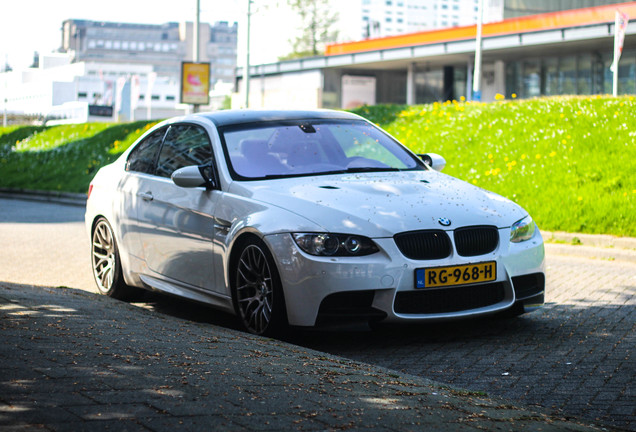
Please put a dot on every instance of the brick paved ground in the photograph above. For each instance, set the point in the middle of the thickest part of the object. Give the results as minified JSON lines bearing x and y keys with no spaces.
{"x":575,"y":356}
{"x":76,"y":361}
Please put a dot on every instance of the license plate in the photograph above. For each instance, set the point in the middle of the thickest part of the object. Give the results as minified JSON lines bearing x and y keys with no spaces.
{"x":455,"y":275}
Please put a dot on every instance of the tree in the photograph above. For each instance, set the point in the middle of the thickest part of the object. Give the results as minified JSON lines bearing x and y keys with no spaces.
{"x":317,"y":27}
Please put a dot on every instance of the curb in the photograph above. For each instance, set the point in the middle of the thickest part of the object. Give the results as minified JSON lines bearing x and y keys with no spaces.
{"x":69,"y":198}
{"x":595,"y":246}
{"x":596,"y":240}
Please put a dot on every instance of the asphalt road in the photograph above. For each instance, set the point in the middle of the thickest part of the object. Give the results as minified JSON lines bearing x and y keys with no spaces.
{"x":575,"y":356}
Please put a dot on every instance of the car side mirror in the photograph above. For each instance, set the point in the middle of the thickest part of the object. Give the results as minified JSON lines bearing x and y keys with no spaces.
{"x":194,"y":176}
{"x":433,"y":160}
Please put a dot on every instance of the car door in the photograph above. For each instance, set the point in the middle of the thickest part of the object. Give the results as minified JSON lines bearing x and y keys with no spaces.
{"x":175,"y":225}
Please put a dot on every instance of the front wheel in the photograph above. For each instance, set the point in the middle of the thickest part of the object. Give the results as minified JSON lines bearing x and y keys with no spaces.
{"x":258,"y":294}
{"x":106,"y":262}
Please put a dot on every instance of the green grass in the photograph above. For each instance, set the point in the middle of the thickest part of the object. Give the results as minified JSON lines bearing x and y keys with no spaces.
{"x":61,"y":158}
{"x":569,"y":161}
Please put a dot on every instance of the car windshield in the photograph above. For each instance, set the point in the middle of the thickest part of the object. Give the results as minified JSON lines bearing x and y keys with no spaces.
{"x":266,"y":150}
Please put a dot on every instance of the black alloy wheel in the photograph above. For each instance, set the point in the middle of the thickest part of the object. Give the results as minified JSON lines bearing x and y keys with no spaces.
{"x":258,"y":295}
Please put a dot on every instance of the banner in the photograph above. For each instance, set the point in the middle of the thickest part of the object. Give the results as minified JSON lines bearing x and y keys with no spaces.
{"x":195,"y":83}
{"x":619,"y":37}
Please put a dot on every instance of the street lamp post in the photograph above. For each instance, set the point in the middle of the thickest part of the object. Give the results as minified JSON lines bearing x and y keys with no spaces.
{"x":246,"y":73}
{"x":195,"y":57}
{"x":477,"y":74}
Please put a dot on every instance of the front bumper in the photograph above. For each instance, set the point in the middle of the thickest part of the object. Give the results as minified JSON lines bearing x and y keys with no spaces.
{"x":381,"y":287}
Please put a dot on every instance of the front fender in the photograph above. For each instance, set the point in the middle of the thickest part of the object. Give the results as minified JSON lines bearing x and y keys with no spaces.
{"x":237,"y":216}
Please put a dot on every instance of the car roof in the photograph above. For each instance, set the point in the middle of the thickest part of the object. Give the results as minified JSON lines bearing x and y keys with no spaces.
{"x":232,"y":117}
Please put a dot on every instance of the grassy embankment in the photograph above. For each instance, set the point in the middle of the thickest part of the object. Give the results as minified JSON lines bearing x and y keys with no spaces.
{"x":61,"y":158}
{"x":569,"y":161}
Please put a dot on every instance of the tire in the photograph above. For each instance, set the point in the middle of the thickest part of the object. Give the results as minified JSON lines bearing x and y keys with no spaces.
{"x":106,"y":262}
{"x":256,"y":289}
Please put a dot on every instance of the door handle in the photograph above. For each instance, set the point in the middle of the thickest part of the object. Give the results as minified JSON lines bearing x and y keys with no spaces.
{"x":146,"y":196}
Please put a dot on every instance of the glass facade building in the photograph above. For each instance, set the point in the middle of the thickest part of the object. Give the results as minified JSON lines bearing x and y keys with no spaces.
{"x":574,"y":74}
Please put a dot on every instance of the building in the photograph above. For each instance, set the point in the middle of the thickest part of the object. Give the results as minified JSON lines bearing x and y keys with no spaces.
{"x":566,"y":52}
{"x":164,"y":46}
{"x":391,"y":17}
{"x":59,"y":91}
{"x":118,"y":71}
{"x":518,"y":8}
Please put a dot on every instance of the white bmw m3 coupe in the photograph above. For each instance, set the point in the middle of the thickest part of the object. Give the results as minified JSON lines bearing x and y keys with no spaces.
{"x":306,"y":218}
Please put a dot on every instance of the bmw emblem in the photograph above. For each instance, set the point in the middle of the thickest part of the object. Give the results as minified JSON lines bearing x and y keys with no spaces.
{"x":444,"y":221}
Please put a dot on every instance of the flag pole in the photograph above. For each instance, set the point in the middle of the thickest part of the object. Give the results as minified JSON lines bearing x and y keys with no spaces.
{"x":477,"y":74}
{"x":620,"y":25}
{"x":616,"y":54}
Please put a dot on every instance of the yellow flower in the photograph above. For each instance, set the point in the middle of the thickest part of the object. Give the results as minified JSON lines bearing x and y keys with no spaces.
{"x":514,"y":95}
{"x":538,"y":156}
{"x":579,"y":199}
{"x":463,"y":98}
{"x":553,"y":154}
{"x":499,"y":96}
{"x":523,"y":156}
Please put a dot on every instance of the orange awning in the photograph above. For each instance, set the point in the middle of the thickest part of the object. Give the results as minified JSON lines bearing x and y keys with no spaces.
{"x":527,"y":24}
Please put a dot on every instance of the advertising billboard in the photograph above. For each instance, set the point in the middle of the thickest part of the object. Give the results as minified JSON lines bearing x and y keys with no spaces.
{"x":195,"y":83}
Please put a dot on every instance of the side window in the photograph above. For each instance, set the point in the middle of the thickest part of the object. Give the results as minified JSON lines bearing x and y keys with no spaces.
{"x":184,"y":145}
{"x":142,"y":158}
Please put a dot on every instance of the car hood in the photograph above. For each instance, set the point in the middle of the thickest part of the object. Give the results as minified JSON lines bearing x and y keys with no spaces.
{"x":383,"y":204}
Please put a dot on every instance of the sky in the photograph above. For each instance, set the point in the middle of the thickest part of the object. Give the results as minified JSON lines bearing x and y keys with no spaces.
{"x":34,"y":25}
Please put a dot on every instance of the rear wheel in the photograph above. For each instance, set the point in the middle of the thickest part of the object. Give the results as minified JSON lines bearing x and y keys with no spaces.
{"x":106,"y":262}
{"x":258,"y":294}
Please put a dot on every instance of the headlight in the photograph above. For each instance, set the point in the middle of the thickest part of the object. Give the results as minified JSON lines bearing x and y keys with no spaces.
{"x":327,"y":244}
{"x":522,"y":230}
